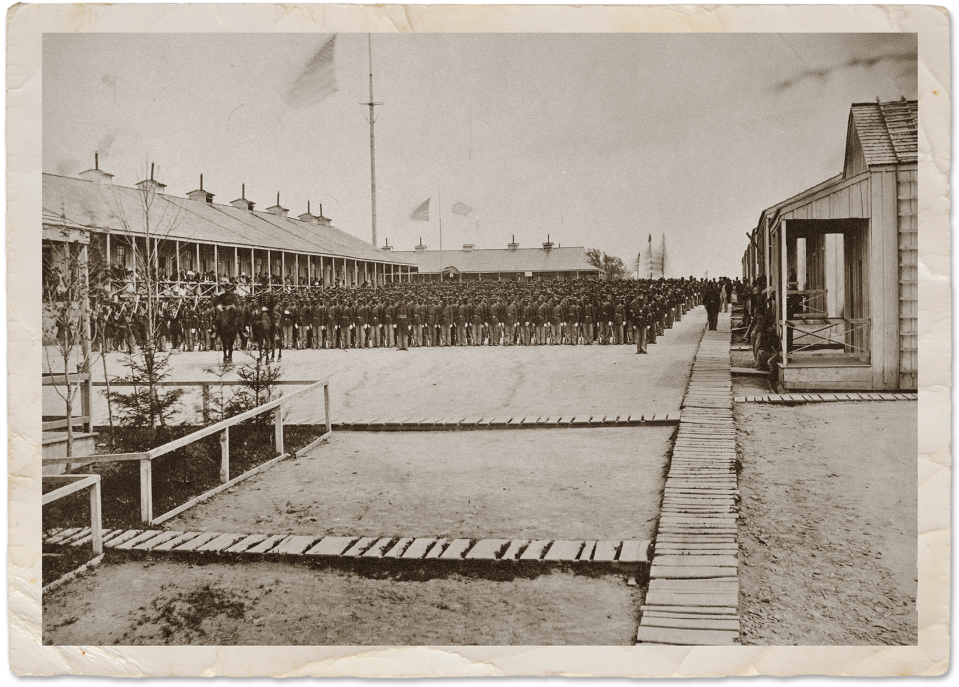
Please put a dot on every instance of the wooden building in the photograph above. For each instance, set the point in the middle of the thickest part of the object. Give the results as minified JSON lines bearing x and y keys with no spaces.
{"x":509,"y":264}
{"x":840,"y":261}
{"x":194,"y":235}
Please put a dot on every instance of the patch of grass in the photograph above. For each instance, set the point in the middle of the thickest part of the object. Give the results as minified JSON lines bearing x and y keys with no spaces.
{"x":185,"y":612}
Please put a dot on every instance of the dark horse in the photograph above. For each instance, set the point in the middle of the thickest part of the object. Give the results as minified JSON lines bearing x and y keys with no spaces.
{"x":226,"y":324}
{"x":265,"y":333}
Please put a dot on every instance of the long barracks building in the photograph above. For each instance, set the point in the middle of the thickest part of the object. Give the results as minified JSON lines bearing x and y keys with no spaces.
{"x":500,"y":264}
{"x":195,"y":235}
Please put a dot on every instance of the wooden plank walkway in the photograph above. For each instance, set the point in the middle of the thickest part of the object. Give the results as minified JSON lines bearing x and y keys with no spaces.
{"x":460,"y":424}
{"x":693,"y":594}
{"x":827,"y":397}
{"x":629,"y":554}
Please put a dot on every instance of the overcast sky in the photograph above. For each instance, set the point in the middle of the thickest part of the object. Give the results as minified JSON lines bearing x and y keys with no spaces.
{"x":597,"y":140}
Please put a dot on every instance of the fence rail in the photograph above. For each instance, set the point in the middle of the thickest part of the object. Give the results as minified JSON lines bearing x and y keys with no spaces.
{"x":73,"y":484}
{"x":223,"y":428}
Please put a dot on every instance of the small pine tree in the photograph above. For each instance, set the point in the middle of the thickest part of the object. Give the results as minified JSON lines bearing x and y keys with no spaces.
{"x":148,"y":406}
{"x":259,"y":386}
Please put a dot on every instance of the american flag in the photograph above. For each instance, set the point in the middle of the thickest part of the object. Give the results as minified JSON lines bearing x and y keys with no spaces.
{"x":318,"y":80}
{"x":422,"y":212}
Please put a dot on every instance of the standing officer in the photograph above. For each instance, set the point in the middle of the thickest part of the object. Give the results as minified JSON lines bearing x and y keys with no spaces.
{"x":542,"y":316}
{"x":432,"y":322}
{"x":511,"y":322}
{"x":447,"y":317}
{"x":389,"y":313}
{"x":305,"y":320}
{"x":419,"y":318}
{"x":376,"y":324}
{"x":638,"y":310}
{"x":402,"y":322}
{"x":619,"y":317}
{"x":461,"y":313}
{"x":362,"y":321}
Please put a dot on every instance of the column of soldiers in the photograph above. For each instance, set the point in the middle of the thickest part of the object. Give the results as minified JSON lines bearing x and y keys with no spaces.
{"x":422,"y":314}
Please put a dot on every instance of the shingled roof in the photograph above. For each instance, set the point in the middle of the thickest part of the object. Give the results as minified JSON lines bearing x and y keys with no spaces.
{"x":118,"y":209}
{"x":491,"y":260}
{"x":888,"y":131}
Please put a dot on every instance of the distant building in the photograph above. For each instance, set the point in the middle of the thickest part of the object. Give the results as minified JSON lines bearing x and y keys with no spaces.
{"x":501,"y":264}
{"x":840,"y":261}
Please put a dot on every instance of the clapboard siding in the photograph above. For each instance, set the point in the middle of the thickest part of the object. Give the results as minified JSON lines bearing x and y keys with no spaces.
{"x":908,"y":279}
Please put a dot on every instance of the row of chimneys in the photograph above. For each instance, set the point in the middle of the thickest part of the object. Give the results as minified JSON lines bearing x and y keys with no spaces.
{"x":99,"y":176}
{"x":467,"y":247}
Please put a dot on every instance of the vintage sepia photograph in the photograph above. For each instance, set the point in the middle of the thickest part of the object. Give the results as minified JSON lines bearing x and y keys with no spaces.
{"x":480,"y":339}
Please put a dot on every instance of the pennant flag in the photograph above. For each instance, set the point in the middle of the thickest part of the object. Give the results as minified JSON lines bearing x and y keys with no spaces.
{"x":462,"y":209}
{"x":422,"y":212}
{"x":318,"y":80}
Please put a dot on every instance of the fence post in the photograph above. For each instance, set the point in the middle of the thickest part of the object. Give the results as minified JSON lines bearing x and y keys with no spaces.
{"x":96,"y":520}
{"x":206,"y":403}
{"x":225,"y":456}
{"x":146,"y":491}
{"x":278,"y":428}
{"x":326,"y":403}
{"x":85,"y":403}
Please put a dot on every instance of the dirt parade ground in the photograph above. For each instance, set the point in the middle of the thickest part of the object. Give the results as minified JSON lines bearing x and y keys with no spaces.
{"x":827,"y":524}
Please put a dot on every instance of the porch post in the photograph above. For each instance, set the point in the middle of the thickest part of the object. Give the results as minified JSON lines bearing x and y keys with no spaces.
{"x":177,"y":264}
{"x":785,"y":285}
{"x":236,"y":261}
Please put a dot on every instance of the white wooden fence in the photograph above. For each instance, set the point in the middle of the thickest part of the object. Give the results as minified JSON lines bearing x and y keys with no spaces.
{"x":223,"y":429}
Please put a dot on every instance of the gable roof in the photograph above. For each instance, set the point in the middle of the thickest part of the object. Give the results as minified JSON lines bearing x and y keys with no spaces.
{"x":118,"y":209}
{"x":502,"y":260}
{"x":888,"y":133}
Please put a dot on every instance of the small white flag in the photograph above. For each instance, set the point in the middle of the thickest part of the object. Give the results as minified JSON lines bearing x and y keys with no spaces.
{"x":462,"y":209}
{"x":318,"y":80}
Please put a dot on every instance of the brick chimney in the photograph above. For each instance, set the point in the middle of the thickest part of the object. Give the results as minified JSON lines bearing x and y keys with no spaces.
{"x":242,"y":203}
{"x":548,"y":245}
{"x":96,"y":175}
{"x":200,"y":195}
{"x":421,"y":248}
{"x":277,"y":209}
{"x":512,"y":246}
{"x":468,"y":247}
{"x":150,"y":184}
{"x":387,"y":247}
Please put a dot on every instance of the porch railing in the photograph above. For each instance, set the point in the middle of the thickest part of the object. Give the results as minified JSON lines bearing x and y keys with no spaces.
{"x":808,"y":303}
{"x":852,"y":335}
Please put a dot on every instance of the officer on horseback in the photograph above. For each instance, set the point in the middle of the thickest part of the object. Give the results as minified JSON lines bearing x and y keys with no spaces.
{"x":227,"y":299}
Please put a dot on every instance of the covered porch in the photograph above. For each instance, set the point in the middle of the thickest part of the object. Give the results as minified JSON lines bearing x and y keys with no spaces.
{"x":820,"y":271}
